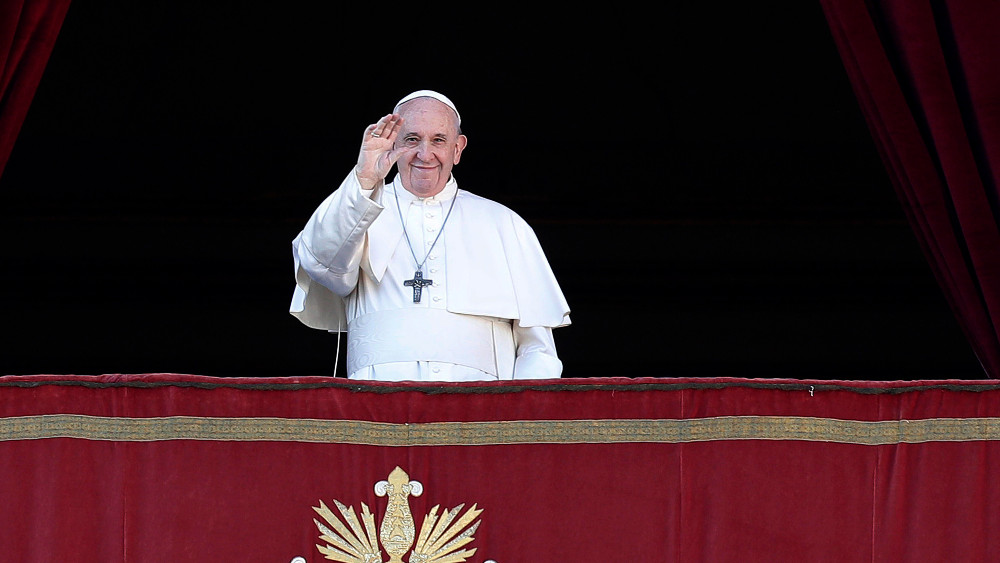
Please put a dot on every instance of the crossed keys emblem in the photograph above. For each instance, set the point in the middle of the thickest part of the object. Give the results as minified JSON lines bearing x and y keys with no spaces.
{"x":353,"y":540}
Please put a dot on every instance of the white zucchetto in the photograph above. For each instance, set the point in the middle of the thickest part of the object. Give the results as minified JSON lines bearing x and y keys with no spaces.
{"x":430,"y":94}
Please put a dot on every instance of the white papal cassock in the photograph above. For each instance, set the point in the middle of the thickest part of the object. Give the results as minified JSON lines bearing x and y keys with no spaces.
{"x":489,"y":313}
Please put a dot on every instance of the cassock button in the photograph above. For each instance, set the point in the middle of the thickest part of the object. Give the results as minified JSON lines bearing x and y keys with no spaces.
{"x":437,"y":298}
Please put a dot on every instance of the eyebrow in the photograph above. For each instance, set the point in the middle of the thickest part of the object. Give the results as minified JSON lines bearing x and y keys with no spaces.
{"x":409,"y":133}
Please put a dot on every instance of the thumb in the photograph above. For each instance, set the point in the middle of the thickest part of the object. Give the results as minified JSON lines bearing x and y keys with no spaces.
{"x":395,"y":154}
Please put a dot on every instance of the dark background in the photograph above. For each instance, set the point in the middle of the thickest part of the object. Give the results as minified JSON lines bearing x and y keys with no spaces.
{"x":702,"y":181}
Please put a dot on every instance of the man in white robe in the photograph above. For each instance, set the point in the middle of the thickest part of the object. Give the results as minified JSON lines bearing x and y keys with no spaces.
{"x":431,"y":283}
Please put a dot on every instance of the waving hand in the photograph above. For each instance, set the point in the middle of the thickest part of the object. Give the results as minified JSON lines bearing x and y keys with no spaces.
{"x":377,"y":155}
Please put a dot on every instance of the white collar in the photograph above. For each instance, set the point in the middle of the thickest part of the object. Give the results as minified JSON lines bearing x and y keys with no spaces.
{"x":405,"y":197}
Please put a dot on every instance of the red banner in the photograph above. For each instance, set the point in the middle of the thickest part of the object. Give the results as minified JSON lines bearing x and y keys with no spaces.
{"x":185,"y":468}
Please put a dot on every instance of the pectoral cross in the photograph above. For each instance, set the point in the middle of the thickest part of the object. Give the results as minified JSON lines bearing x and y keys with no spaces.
{"x":418,"y":282}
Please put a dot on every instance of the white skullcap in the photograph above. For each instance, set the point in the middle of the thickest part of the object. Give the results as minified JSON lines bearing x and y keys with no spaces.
{"x":430,"y":94}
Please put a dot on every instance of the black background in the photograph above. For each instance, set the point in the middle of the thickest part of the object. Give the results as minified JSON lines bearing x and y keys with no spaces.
{"x":701,"y":178}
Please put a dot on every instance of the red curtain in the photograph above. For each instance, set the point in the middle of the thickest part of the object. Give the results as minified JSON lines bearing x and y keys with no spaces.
{"x":28,"y":30}
{"x":171,"y":468}
{"x":927,"y":76}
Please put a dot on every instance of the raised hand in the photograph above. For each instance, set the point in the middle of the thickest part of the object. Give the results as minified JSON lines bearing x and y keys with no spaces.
{"x":377,"y":155}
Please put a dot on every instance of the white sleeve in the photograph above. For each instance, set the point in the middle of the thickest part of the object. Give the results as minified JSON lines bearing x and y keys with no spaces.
{"x":330,"y":247}
{"x":535,"y":356}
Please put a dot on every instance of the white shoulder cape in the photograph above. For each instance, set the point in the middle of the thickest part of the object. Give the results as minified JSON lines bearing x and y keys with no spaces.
{"x":504,"y":272}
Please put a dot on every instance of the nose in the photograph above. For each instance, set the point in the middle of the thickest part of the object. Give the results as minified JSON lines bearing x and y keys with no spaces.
{"x":424,"y":152}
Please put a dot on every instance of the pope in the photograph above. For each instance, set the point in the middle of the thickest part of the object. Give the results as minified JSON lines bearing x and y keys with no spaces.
{"x":430,"y":282}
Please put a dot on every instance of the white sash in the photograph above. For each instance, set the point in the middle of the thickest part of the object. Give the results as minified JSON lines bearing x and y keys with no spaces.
{"x":432,"y":335}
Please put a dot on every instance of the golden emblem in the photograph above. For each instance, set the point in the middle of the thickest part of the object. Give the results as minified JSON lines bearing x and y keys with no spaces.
{"x":350,"y":540}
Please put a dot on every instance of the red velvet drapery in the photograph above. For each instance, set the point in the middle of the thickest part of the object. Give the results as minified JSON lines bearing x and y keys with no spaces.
{"x":177,"y":468}
{"x":927,"y":76}
{"x":28,"y":30}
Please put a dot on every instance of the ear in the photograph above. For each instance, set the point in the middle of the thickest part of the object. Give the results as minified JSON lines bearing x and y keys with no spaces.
{"x":462,"y":141}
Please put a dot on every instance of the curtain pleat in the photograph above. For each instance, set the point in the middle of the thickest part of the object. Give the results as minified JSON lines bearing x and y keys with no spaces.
{"x":28,"y":31}
{"x":925,"y":75}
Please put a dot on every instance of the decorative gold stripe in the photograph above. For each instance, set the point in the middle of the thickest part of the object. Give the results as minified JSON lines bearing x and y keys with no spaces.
{"x":667,"y":431}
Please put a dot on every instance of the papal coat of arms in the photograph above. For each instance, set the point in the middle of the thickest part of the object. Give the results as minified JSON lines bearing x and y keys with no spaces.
{"x":353,"y":540}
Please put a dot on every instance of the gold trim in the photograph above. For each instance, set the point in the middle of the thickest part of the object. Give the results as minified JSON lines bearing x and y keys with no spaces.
{"x":121,"y":429}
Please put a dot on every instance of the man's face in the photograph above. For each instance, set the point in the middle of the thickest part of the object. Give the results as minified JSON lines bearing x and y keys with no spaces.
{"x":430,"y":131}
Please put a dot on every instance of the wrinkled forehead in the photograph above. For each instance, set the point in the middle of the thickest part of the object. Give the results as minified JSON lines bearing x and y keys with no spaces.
{"x":429,"y":116}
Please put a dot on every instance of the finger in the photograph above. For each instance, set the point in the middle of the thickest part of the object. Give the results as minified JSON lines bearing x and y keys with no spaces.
{"x":384,"y":125}
{"x":374,"y":130}
{"x":393,"y":127}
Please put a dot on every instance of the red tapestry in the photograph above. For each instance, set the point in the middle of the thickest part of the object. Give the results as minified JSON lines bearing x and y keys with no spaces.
{"x":183,"y":468}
